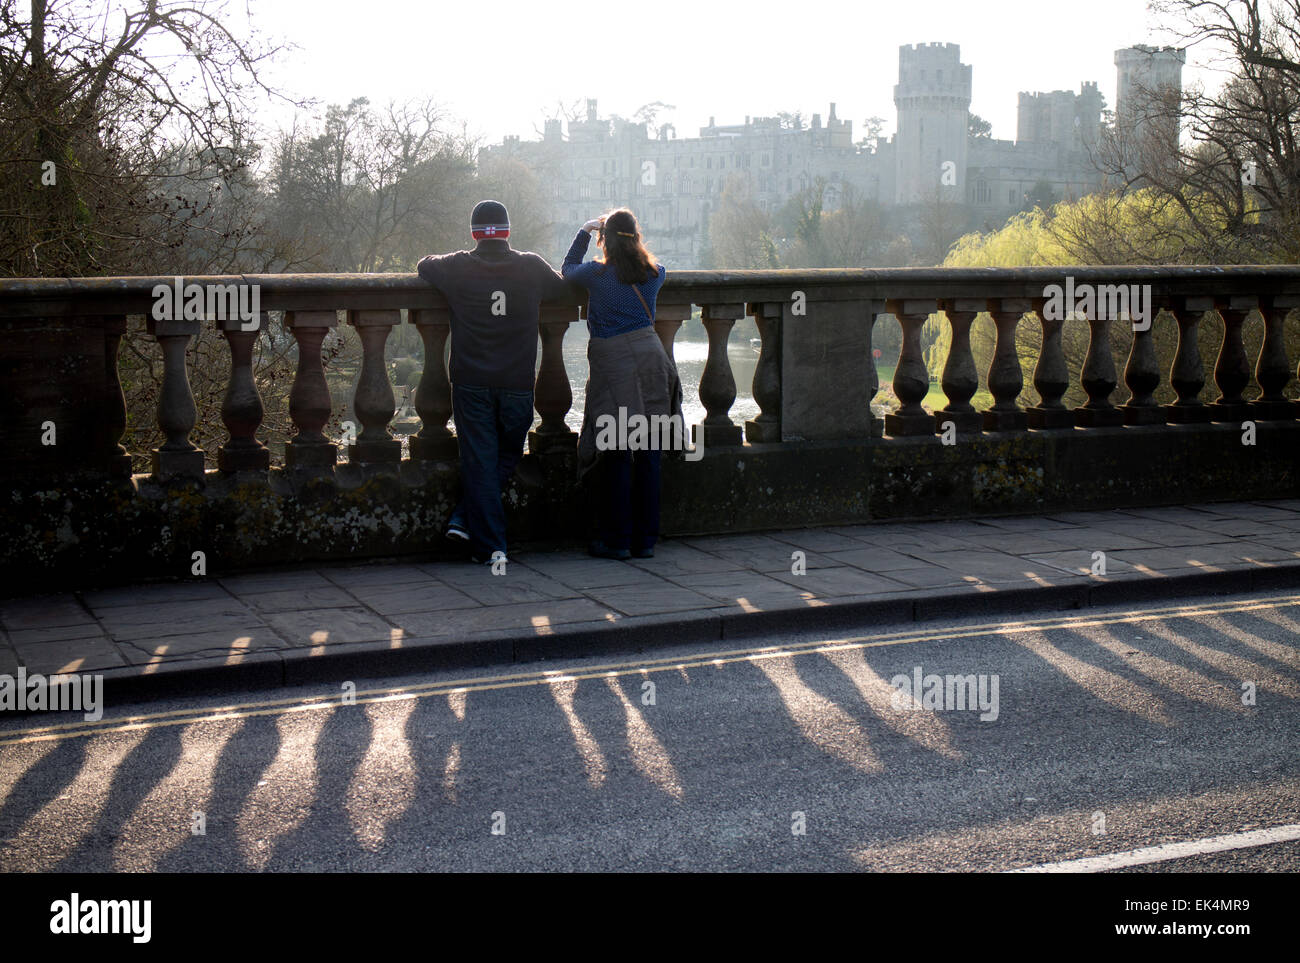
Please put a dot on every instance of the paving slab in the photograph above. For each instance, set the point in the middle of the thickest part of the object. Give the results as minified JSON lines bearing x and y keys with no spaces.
{"x":748,"y":589}
{"x":74,"y":655}
{"x":154,"y":594}
{"x":200,"y":645}
{"x":330,"y":626}
{"x":295,"y":600}
{"x":519,"y":584}
{"x":844,"y":581}
{"x":583,"y":573}
{"x":528,"y":618}
{"x":880,"y":559}
{"x":375,"y":575}
{"x":275,"y":582}
{"x":43,"y":612}
{"x":60,"y":633}
{"x":683,"y":560}
{"x":648,"y":597}
{"x":425,"y":595}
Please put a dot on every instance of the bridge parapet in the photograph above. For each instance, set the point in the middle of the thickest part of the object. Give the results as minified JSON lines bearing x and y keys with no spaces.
{"x":815,"y":453}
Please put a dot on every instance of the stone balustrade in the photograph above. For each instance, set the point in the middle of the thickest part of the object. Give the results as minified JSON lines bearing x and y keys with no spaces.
{"x":814,"y":383}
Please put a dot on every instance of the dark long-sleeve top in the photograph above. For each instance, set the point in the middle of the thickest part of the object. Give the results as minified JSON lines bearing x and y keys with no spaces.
{"x":495,"y":294}
{"x":612,"y":307}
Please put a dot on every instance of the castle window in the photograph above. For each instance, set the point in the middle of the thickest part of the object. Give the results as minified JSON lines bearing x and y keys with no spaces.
{"x":708,"y":162}
{"x":766,"y":160}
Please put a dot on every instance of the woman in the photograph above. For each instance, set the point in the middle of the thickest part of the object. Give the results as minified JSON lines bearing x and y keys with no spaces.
{"x":631,"y":378}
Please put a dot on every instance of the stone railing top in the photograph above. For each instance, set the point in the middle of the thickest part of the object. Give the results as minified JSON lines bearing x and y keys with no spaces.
{"x":53,"y":297}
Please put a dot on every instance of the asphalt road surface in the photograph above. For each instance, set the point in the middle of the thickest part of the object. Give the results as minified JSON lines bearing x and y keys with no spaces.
{"x":1163,"y":738}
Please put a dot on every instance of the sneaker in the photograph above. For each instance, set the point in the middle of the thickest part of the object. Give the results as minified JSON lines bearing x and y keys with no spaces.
{"x":456,"y":532}
{"x":599,"y":549}
{"x":489,"y":559}
{"x":643,"y":553}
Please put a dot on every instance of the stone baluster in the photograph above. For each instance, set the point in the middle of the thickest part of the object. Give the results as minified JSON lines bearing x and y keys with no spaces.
{"x":717,"y":383}
{"x":241,"y":409}
{"x":552,"y":395}
{"x":374,"y":404}
{"x":960,"y":379}
{"x":767,"y":373}
{"x":874,"y":310}
{"x":1272,"y":369}
{"x":1232,"y":368}
{"x":911,"y":379}
{"x":1051,"y":376}
{"x":1142,"y":376}
{"x":668,"y":321}
{"x":1005,"y":378}
{"x":1187,"y":373}
{"x":118,"y":461}
{"x":1098,"y":379}
{"x":434,"y":442}
{"x":178,"y":457}
{"x":309,"y":398}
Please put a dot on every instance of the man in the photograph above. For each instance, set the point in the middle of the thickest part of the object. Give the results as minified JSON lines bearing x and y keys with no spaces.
{"x":495,"y":294}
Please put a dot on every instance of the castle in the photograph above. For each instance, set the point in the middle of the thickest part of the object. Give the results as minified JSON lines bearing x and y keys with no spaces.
{"x":674,"y":184}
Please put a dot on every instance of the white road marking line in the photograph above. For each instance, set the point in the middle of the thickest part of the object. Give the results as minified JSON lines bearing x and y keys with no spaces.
{"x":1159,"y":854}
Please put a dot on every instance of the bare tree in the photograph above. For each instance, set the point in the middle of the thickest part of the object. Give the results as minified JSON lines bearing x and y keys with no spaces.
{"x":1234,"y":176}
{"x":740,"y":231}
{"x":119,"y":123}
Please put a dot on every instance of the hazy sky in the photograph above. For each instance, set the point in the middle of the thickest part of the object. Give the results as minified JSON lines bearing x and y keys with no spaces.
{"x":502,"y":65}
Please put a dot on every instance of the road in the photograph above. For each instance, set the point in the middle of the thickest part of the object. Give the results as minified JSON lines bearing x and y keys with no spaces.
{"x":1113,"y":731}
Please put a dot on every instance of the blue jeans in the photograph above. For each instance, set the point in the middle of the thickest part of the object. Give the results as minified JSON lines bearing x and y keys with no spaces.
{"x":491,"y":426}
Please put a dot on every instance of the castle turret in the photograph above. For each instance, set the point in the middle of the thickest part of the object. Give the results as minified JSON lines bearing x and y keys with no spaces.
{"x":1148,"y":101}
{"x":933,"y":100}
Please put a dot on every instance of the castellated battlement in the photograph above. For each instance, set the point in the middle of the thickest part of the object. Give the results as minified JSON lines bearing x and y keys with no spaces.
{"x":932,"y":70}
{"x":911,"y":47}
{"x":1143,"y":52}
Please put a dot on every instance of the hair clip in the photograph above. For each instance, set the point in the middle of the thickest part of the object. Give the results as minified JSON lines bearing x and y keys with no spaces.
{"x":625,"y":234}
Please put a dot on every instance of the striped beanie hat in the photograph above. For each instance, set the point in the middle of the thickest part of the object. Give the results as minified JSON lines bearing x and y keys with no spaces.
{"x":489,"y":220}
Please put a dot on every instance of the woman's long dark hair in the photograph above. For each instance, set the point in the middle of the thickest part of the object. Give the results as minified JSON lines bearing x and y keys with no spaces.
{"x":625,"y":250}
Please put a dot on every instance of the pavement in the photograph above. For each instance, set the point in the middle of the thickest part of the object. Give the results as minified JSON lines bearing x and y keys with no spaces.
{"x":330,"y":621}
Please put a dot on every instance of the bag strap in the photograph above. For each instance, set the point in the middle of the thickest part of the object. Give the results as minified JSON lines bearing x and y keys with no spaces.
{"x":641,"y":298}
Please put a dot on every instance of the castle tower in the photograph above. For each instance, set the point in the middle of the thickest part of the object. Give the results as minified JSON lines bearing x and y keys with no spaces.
{"x":1088,"y":107}
{"x":1150,"y":85}
{"x":933,"y":100}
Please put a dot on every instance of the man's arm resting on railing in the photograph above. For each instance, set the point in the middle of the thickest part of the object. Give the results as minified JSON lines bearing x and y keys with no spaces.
{"x":553,"y":286}
{"x":431,"y":269}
